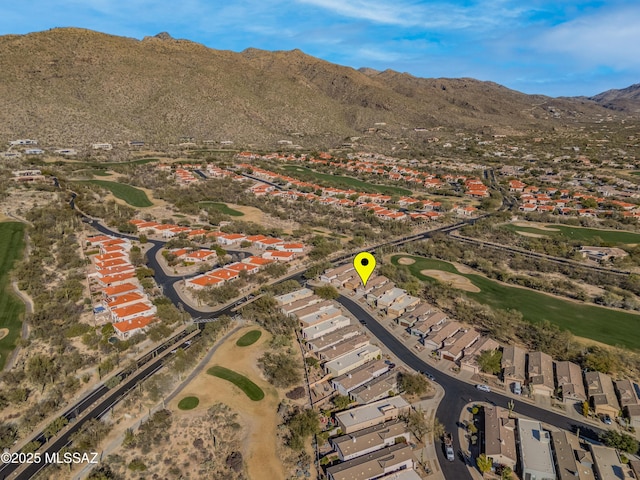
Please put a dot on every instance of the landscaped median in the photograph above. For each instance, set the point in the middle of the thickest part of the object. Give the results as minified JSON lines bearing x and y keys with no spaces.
{"x":253,"y":391}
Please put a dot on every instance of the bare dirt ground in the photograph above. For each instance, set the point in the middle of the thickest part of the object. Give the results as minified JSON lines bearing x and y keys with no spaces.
{"x":3,"y":332}
{"x":259,"y":419}
{"x":252,"y":214}
{"x":4,"y":218}
{"x":20,"y":201}
{"x":456,"y":281}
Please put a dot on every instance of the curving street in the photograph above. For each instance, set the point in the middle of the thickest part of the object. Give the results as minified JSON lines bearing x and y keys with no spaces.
{"x":457,"y":392}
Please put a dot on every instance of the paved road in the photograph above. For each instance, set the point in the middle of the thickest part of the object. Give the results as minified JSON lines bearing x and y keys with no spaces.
{"x":543,"y":256}
{"x":98,"y":402}
{"x":457,"y":392}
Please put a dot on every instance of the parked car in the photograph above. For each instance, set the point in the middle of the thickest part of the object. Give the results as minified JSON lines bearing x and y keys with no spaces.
{"x":607,"y":419}
{"x":430,"y":377}
{"x":483,"y":388}
{"x":517,"y":388}
{"x":448,"y":447}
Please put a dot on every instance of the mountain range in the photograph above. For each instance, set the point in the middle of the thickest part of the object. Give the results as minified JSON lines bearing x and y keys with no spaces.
{"x":72,"y":86}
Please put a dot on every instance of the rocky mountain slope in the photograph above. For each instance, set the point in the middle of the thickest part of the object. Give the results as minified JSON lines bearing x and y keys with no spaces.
{"x":72,"y":86}
{"x":625,"y":99}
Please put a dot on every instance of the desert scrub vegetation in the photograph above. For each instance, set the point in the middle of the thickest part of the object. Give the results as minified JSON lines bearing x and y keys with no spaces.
{"x":204,"y":445}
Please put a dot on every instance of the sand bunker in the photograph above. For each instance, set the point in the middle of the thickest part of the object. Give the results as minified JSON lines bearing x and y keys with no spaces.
{"x":456,"y":281}
{"x":3,"y":332}
{"x":406,"y":261}
{"x":539,"y":226}
{"x":530,"y":234}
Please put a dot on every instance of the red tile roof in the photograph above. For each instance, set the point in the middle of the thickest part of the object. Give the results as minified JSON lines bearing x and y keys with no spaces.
{"x":133,"y":324}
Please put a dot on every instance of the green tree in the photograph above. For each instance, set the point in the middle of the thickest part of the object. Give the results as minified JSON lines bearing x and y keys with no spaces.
{"x":507,"y":473}
{"x":601,"y":360}
{"x":41,"y":370}
{"x":302,"y":424}
{"x":417,"y":424}
{"x":490,"y":361}
{"x":413,"y":383}
{"x":341,"y":401}
{"x":621,"y":441}
{"x":54,"y":427}
{"x":328,"y":292}
{"x":280,"y":369}
{"x":8,"y":435}
{"x":31,"y":447}
{"x":484,"y":463}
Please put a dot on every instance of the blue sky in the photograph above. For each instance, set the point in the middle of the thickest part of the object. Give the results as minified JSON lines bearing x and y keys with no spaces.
{"x":561,"y":47}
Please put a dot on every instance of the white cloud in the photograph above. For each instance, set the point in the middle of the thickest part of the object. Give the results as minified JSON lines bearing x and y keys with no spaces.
{"x":440,"y":15}
{"x":607,"y":39}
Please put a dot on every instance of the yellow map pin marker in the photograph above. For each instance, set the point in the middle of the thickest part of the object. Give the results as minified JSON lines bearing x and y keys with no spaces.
{"x":364,"y":263}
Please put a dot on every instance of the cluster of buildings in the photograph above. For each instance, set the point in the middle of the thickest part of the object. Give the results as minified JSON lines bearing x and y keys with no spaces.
{"x":194,"y":255}
{"x":374,"y":442}
{"x":183,"y":173}
{"x":23,"y":176}
{"x":549,"y":455}
{"x":410,"y":208}
{"x":219,"y":276}
{"x":473,"y":186}
{"x":350,"y":364}
{"x":275,"y":249}
{"x":123,"y":303}
{"x":562,"y":201}
{"x":462,"y":344}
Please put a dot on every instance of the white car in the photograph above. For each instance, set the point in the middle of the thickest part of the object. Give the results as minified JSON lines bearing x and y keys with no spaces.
{"x":483,"y":388}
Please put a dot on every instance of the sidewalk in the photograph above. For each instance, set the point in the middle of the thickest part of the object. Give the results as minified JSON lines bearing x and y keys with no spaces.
{"x":427,"y":455}
{"x":446,"y":366}
{"x":463,"y":443}
{"x":135,"y":420}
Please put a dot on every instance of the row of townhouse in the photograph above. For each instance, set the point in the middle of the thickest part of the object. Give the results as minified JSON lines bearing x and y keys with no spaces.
{"x":123,"y":303}
{"x":515,"y":443}
{"x":546,"y":377}
{"x":393,"y":171}
{"x":375,"y":443}
{"x":219,"y":276}
{"x":191,"y":255}
{"x":475,"y":188}
{"x":562,"y":201}
{"x":534,"y":452}
{"x":184,"y":177}
{"x":450,"y":339}
{"x":456,"y":342}
{"x":342,"y":349}
{"x":424,"y":209}
{"x":287,"y":250}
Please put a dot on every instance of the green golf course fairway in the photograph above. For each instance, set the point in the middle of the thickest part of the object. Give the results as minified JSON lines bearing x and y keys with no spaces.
{"x":613,"y":327}
{"x":586,"y":235}
{"x":11,"y":307}
{"x":253,"y":391}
